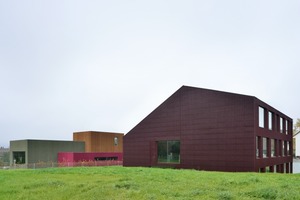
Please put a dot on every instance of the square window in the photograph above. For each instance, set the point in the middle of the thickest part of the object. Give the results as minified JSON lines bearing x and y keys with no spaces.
{"x":19,"y":157}
{"x":168,"y":151}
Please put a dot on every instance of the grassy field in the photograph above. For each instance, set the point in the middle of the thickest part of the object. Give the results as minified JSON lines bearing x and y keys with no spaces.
{"x":144,"y":183}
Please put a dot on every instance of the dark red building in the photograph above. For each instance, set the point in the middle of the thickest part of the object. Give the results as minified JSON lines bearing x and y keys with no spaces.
{"x":212,"y":130}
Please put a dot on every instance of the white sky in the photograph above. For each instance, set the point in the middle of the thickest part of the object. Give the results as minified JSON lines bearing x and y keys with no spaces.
{"x":70,"y":66}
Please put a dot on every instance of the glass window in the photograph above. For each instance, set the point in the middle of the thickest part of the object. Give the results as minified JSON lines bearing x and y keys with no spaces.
{"x":288,"y":148}
{"x":277,"y":123}
{"x":276,"y":147}
{"x":116,"y":141}
{"x":279,"y":148}
{"x":281,"y":125}
{"x":272,"y":148}
{"x":270,"y":121}
{"x":106,"y":158}
{"x":286,"y":127}
{"x":19,"y":157}
{"x":261,"y":117}
{"x":265,"y":147}
{"x":257,"y":147}
{"x":168,"y":151}
{"x":283,"y":148}
{"x":275,"y":169}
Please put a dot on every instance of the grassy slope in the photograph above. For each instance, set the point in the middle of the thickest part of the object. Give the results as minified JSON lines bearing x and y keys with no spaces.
{"x":144,"y":183}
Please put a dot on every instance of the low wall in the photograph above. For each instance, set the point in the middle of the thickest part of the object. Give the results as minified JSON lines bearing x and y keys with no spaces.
{"x":70,"y":157}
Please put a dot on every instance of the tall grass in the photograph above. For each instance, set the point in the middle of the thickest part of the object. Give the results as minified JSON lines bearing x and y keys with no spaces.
{"x":144,"y":183}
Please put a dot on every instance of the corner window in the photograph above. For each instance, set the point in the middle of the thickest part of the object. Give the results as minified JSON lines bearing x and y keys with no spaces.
{"x":261,"y":117}
{"x":168,"y":151}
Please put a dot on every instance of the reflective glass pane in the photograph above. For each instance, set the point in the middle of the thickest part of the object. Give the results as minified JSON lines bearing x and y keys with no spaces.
{"x":168,"y":151}
{"x":261,"y":117}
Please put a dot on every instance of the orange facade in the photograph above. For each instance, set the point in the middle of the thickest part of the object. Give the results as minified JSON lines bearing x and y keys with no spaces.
{"x":100,"y":141}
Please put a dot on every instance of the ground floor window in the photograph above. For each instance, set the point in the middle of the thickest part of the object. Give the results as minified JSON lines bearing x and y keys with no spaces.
{"x":105,"y":158}
{"x":273,"y":147}
{"x":281,"y":168}
{"x":265,"y":149}
{"x":19,"y":157}
{"x":283,"y":148}
{"x":289,"y":152}
{"x":168,"y":151}
{"x":257,"y":146}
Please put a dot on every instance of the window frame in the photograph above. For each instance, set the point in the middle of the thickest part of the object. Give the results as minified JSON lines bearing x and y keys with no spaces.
{"x":261,"y":117}
{"x":270,"y":120}
{"x":168,"y":155}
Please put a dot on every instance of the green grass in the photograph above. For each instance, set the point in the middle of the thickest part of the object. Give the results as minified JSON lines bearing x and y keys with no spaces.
{"x":144,"y":183}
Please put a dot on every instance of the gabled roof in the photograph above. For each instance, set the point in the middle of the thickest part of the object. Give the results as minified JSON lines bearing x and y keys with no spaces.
{"x":186,"y":89}
{"x":212,"y":90}
{"x":176,"y":96}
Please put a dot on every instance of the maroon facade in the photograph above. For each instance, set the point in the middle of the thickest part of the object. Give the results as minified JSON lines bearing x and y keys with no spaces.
{"x":217,"y":131}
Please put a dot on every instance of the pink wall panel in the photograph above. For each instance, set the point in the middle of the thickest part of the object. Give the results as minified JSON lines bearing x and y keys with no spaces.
{"x":64,"y":157}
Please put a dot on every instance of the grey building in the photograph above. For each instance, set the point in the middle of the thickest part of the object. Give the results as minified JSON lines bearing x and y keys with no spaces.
{"x":36,"y":151}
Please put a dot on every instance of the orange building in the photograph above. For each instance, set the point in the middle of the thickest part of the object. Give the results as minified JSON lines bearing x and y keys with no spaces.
{"x":100,"y":141}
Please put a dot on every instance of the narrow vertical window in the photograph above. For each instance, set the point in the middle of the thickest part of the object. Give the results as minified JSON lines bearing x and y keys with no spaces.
{"x":272,"y":148}
{"x":116,"y":141}
{"x":277,"y":123}
{"x":288,"y":148}
{"x":276,"y":147}
{"x":261,"y":117}
{"x":281,"y":125}
{"x":257,"y":147}
{"x":284,"y":148}
{"x":270,"y":120}
{"x":286,"y":127}
{"x":280,"y":148}
{"x":265,"y":147}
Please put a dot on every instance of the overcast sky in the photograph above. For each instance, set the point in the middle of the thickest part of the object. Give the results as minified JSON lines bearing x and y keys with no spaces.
{"x":69,"y":66}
